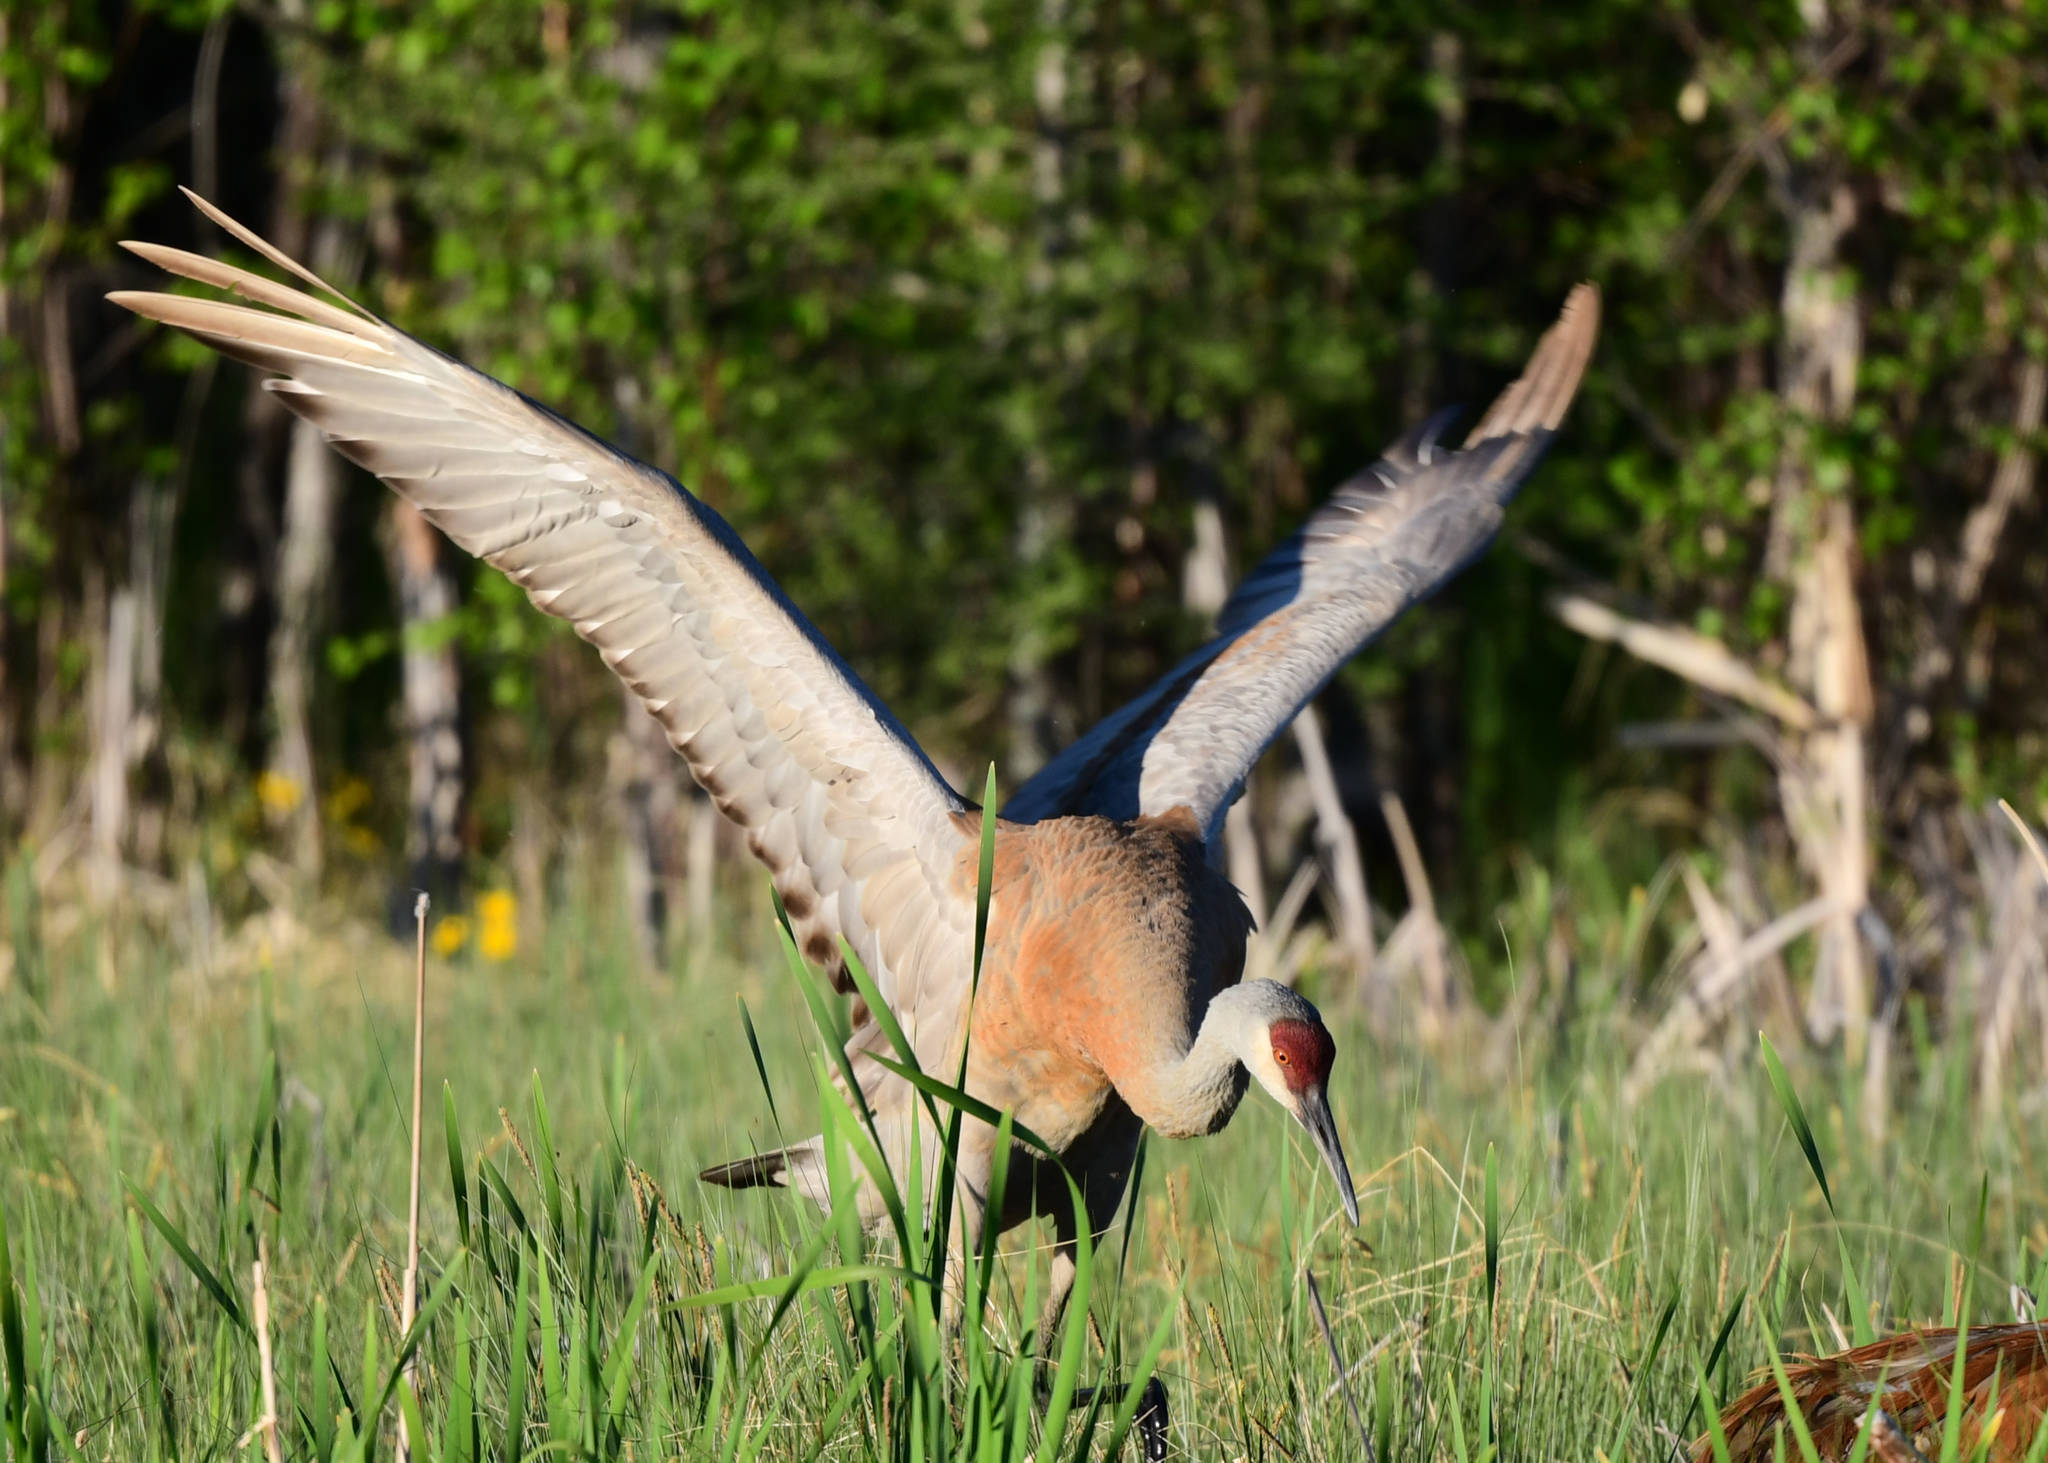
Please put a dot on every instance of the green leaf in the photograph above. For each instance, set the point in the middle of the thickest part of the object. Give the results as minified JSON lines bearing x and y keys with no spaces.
{"x":544,"y":1160}
{"x":458,"y":1177}
{"x":1795,"y":1114}
{"x":760,"y":1064}
{"x":1794,"y":1417}
{"x":1714,"y":1354}
{"x":1716,"y":1435}
{"x":12,"y":1349}
{"x":211,"y":1283}
{"x":1492,"y":1228}
{"x":1135,"y":1380}
{"x":518,"y":1364}
{"x":495,"y":1182}
{"x":1642,"y":1376}
{"x":410,"y":1341}
{"x":985,"y":878}
{"x":618,"y":1363}
{"x":322,"y":1428}
{"x":779,"y":1285}
{"x":965,"y":1101}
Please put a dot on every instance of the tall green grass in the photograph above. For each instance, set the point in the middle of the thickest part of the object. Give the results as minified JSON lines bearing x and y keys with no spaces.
{"x":1543,"y":1272}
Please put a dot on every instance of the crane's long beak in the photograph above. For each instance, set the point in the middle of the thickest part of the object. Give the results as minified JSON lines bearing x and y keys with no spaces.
{"x":1314,"y":1113}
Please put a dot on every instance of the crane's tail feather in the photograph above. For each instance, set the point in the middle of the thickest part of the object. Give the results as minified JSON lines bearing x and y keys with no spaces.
{"x":800,"y":1166}
{"x":763,"y":1170}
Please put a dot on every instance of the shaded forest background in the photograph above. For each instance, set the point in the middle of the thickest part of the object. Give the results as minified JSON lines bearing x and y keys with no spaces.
{"x":1006,"y":336}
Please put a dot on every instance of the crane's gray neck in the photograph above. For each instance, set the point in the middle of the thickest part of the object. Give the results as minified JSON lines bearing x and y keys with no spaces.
{"x":1198,"y":1093}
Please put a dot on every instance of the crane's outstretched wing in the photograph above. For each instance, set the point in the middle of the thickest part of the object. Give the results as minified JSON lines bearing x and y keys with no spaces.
{"x":1383,"y":542}
{"x":859,"y":831}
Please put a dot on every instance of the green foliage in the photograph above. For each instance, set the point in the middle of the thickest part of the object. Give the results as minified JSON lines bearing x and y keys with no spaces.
{"x":957,"y":311}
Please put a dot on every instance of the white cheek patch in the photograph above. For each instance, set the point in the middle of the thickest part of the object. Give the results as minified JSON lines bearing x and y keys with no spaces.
{"x":1270,"y":1075}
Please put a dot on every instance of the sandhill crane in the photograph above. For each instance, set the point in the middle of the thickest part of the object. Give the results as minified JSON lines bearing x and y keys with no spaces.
{"x":1110,"y":996}
{"x":1907,"y":1380}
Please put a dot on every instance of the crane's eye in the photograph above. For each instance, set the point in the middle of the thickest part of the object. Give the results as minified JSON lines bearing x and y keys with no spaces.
{"x":1279,"y":1056}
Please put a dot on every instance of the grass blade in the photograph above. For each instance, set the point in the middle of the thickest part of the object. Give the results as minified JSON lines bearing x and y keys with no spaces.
{"x":142,"y":1284}
{"x":499,"y":1185}
{"x":1492,"y":1228}
{"x":518,"y":1364}
{"x":973,"y":1106}
{"x":779,"y":1285}
{"x":760,"y":1064}
{"x":984,"y":886}
{"x":12,"y":1348}
{"x":210,"y":1282}
{"x":1714,"y":1354}
{"x":1795,"y":1418}
{"x":458,"y":1177}
{"x":322,"y":1421}
{"x":617,"y":1364}
{"x":1717,"y":1436}
{"x":544,"y":1158}
{"x":1795,"y":1114}
{"x":1642,"y":1375}
{"x":1315,"y":1300}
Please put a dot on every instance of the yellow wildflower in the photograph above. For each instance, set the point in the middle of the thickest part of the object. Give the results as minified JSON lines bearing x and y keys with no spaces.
{"x":360,"y":841}
{"x":451,"y":934}
{"x":497,"y":936}
{"x":277,"y":793}
{"x":347,"y":800}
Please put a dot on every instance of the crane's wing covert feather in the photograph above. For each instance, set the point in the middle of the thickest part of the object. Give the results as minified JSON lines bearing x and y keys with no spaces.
{"x":859,"y":831}
{"x":1383,"y":542}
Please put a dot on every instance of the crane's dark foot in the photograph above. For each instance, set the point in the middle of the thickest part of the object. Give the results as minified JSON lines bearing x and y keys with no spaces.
{"x":1151,"y":1418}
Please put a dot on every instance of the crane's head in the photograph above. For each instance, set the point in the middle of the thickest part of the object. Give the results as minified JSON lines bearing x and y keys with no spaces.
{"x":1288,"y":1052}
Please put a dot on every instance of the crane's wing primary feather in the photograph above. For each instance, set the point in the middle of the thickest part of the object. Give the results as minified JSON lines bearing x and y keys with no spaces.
{"x":859,"y":831}
{"x":1383,"y":542}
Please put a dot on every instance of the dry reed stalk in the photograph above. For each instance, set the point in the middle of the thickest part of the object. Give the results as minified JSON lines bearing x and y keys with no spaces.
{"x":410,"y":1310}
{"x":1267,"y":955}
{"x":1712,"y":990}
{"x":1436,"y":1005}
{"x":2026,"y":836}
{"x":1686,"y":653}
{"x":267,"y":1424}
{"x":1339,"y":842}
{"x":1820,"y":757}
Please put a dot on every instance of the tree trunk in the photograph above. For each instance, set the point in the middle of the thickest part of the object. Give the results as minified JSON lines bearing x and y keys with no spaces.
{"x":433,"y":726}
{"x":312,"y":492}
{"x":1811,"y":546}
{"x":646,"y":771}
{"x":110,"y":720}
{"x":13,"y":743}
{"x":1042,"y":518}
{"x":152,"y":518}
{"x":1430,"y":769}
{"x":126,"y":706}
{"x":11,"y":706}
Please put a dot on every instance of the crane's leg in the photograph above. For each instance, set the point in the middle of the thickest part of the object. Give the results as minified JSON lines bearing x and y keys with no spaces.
{"x":1100,"y":1198}
{"x":974,"y":1160}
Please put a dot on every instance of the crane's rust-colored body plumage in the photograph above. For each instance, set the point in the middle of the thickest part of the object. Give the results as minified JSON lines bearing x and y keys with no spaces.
{"x":1908,"y":1378}
{"x":1110,"y":996}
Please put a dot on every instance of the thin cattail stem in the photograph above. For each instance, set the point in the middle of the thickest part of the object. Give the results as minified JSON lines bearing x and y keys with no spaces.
{"x":267,"y":1424}
{"x":2026,"y":836}
{"x":410,"y":1307}
{"x":1315,"y":1296}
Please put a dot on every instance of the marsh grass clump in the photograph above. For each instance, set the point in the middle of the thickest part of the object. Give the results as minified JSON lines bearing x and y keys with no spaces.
{"x":1544,"y":1271}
